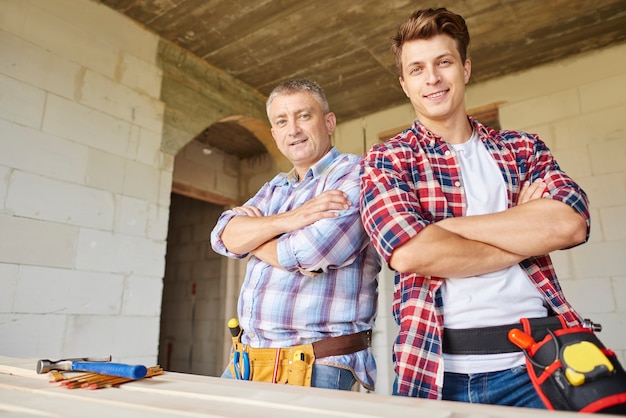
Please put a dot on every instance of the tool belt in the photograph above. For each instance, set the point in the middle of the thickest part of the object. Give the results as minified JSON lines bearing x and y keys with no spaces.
{"x":569,"y":367}
{"x":572,"y":370}
{"x":494,"y":340}
{"x":291,"y":365}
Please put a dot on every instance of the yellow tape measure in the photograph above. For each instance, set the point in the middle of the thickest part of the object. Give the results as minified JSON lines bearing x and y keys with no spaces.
{"x":584,"y":361}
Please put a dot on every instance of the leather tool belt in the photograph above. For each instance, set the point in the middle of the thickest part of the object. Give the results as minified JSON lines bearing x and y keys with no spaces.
{"x":494,"y":340}
{"x":291,"y":365}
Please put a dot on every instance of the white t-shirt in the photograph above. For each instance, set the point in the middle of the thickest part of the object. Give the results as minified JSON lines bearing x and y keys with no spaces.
{"x":498,"y":298}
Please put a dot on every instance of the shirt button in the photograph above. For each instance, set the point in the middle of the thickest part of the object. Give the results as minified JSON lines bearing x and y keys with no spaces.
{"x":248,"y":310}
{"x":251,"y":335}
{"x":447,"y":153}
{"x":457,"y":183}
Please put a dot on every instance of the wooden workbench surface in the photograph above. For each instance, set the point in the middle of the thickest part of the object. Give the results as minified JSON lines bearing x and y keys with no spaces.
{"x":23,"y":393}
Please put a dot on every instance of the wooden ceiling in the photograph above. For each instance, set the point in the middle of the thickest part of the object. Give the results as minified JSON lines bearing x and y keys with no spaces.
{"x":345,"y":44}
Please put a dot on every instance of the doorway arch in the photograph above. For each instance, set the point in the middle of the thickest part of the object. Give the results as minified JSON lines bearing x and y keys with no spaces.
{"x":221,"y":167}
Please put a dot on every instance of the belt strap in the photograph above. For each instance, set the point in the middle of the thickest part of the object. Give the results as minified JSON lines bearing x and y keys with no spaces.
{"x":493,"y":340}
{"x":342,"y":345}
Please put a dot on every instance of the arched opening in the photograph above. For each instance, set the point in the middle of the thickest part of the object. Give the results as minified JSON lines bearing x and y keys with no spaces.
{"x":221,"y":167}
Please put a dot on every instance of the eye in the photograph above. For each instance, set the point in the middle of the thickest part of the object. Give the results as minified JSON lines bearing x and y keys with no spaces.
{"x":305,"y":116}
{"x":415,"y":70}
{"x":280,"y":122}
{"x":445,"y":62}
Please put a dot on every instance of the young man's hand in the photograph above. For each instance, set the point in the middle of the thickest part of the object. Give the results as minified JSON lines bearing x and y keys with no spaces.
{"x":532,"y":191}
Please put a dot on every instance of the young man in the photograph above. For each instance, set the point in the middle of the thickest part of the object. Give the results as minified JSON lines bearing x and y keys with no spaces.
{"x":312,"y":274}
{"x":466,"y":216}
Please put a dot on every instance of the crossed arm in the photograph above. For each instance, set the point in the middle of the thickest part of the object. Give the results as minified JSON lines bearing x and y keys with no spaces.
{"x":257,"y":234}
{"x":473,"y":245}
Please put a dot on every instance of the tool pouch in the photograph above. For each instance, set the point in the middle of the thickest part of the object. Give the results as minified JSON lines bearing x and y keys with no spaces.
{"x":572,"y":370}
{"x":292,"y":365}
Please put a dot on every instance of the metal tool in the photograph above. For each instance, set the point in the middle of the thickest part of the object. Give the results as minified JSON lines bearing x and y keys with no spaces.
{"x":46,"y":365}
{"x":589,"y":324}
{"x":98,"y":366}
{"x":245,"y":374}
{"x":236,"y":364}
{"x":241,"y":365}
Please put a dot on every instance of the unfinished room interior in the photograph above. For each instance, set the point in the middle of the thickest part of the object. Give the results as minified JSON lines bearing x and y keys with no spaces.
{"x":128,"y":126}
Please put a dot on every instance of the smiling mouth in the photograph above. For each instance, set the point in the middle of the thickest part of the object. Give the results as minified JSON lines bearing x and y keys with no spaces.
{"x":436,"y":95}
{"x":298,"y":142}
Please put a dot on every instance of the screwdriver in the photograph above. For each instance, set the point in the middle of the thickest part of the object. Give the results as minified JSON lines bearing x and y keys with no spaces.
{"x":233,"y":325}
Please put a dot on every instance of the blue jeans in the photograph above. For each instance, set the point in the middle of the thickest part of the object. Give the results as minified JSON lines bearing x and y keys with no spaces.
{"x":510,"y":387}
{"x":327,"y":377}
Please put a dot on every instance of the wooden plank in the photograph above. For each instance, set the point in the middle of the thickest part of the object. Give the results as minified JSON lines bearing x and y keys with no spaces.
{"x":185,"y":395}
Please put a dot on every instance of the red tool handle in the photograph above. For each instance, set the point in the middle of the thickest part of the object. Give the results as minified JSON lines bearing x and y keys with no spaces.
{"x":521,"y":339}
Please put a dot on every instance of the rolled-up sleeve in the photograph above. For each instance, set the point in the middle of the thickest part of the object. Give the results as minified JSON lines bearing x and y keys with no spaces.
{"x":560,"y":186}
{"x":216,"y":234}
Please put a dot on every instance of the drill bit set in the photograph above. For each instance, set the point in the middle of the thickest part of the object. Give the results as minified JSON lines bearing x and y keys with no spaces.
{"x":101,"y":373}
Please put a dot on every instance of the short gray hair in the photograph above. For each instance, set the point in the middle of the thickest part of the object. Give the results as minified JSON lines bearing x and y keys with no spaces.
{"x":296,"y":85}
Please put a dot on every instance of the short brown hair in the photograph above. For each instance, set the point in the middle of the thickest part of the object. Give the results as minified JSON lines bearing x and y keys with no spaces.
{"x":424,"y":24}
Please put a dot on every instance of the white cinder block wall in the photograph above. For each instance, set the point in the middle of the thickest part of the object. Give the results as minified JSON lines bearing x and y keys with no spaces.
{"x":577,"y":107}
{"x":84,"y":188}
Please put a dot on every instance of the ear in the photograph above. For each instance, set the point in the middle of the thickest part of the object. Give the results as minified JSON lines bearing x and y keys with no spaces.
{"x":331,"y":122}
{"x":467,"y":70}
{"x":406,"y":93}
{"x":272,"y":131}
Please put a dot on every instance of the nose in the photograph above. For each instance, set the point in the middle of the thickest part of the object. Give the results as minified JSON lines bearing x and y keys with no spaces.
{"x":293,"y":128}
{"x":433,"y":75}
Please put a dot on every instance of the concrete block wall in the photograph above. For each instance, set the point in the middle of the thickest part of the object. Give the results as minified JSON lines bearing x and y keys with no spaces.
{"x":216,"y":172}
{"x":255,"y":172}
{"x":84,"y":187}
{"x":192,"y":321}
{"x":577,"y":107}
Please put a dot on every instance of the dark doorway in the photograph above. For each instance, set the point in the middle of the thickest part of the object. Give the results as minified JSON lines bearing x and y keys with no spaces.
{"x":192,"y":323}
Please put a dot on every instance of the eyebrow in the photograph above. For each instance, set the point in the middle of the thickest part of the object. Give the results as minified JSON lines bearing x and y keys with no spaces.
{"x":308,"y":109}
{"x":438,"y":57}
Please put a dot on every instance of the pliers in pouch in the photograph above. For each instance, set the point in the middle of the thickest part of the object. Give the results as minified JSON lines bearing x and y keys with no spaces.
{"x":242,"y":371}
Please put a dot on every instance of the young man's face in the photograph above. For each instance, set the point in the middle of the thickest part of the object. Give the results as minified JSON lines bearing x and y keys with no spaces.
{"x":301,"y":129}
{"x":434,"y":78}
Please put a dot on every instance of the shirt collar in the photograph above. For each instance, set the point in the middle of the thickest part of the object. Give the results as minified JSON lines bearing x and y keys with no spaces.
{"x":428,"y":138}
{"x":314,"y":171}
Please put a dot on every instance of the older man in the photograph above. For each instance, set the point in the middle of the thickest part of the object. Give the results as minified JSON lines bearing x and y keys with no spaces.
{"x":312,"y":277}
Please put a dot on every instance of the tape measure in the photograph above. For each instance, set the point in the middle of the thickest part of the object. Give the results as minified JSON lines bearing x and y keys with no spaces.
{"x":584,"y":361}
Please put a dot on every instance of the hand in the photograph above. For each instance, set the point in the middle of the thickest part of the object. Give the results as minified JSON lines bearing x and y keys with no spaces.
{"x":536,"y":190}
{"x":323,"y":206}
{"x":248,"y":210}
{"x":308,"y":273}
